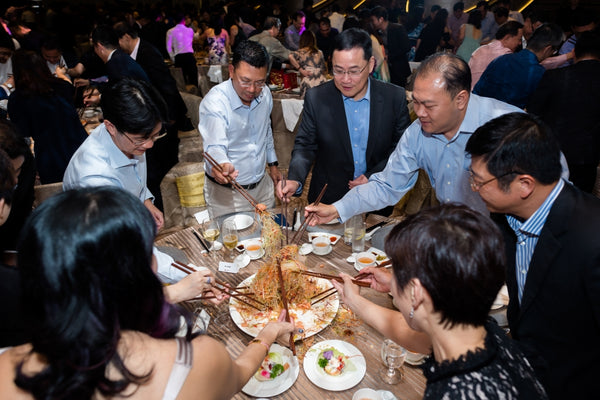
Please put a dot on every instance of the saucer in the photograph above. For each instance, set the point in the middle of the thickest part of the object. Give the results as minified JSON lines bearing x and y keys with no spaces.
{"x":324,"y":254}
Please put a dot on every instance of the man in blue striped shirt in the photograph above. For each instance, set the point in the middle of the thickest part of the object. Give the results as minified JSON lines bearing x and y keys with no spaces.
{"x":553,"y":251}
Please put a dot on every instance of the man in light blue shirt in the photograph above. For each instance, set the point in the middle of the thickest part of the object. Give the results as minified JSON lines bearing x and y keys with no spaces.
{"x":235,"y":124}
{"x":114,"y":153}
{"x":447,"y":116}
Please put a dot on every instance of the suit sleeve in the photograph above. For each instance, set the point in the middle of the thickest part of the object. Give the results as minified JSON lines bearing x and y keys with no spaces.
{"x":305,"y":145}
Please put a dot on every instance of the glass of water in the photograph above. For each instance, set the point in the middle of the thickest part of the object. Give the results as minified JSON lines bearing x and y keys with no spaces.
{"x":393,"y":356}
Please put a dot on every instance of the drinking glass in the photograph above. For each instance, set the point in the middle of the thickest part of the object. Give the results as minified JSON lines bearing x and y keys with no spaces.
{"x":230,"y":236}
{"x":393,"y":356}
{"x":210,"y":231}
{"x":358,"y":234}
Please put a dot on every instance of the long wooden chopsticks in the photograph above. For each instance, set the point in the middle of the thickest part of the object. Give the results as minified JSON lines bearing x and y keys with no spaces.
{"x":285,"y":303}
{"x":283,"y":218}
{"x":309,"y":218}
{"x":229,"y":291}
{"x":233,"y":182}
{"x":333,"y":278}
{"x":384,"y":264}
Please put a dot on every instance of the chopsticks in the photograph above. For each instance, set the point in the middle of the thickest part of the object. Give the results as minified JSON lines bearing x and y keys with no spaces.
{"x":284,"y":214}
{"x":199,"y":237}
{"x":384,"y":264}
{"x":285,"y":303}
{"x":233,"y":182}
{"x":230,"y":291}
{"x":333,"y":278}
{"x":309,"y":218}
{"x":327,"y":292}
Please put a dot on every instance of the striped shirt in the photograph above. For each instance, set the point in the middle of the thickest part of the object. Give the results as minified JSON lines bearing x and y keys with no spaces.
{"x":528,"y":233}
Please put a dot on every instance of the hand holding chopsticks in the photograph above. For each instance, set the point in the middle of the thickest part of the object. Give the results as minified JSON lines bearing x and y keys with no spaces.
{"x":308,"y":218}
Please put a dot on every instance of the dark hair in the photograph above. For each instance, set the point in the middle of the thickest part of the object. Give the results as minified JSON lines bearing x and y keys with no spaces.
{"x":86,"y":261}
{"x":32,"y":75}
{"x":308,"y":39}
{"x":50,"y":43}
{"x":351,"y":22}
{"x":11,"y":141}
{"x":435,"y":8}
{"x":475,"y":18}
{"x":298,"y":14}
{"x":7,"y":178}
{"x":123,"y":28}
{"x":546,"y":35}
{"x":325,"y":20}
{"x":582,"y":17}
{"x":439,"y":21}
{"x":535,"y":15}
{"x":457,"y":254}
{"x":106,"y":36}
{"x":501,"y":12}
{"x":271,"y":22}
{"x":588,"y":44}
{"x":133,"y":106}
{"x":510,"y":28}
{"x":354,"y":38}
{"x":252,"y":53}
{"x":520,"y":143}
{"x":454,"y":70}
{"x":458,"y":6}
{"x":506,"y":2}
{"x":6,"y":40}
{"x":380,"y":12}
{"x":483,"y":4}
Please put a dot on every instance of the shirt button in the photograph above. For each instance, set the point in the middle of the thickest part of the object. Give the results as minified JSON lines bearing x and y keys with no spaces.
{"x":523,"y":271}
{"x":448,"y":145}
{"x":449,"y":183}
{"x":447,"y":165}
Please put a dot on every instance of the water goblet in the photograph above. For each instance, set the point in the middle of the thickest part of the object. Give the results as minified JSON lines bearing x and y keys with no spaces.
{"x":230,"y":236}
{"x":393,"y":356}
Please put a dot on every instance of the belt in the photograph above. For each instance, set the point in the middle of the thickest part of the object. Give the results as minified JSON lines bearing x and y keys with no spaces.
{"x":228,"y":185}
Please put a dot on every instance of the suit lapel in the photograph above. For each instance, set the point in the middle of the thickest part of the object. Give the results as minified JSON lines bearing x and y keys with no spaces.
{"x":376,"y":107}
{"x":548,"y":246}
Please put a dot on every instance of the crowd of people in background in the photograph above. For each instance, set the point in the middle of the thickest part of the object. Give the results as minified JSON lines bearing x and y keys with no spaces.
{"x":503,"y":119}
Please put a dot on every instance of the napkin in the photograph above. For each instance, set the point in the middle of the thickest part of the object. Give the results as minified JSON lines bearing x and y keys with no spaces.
{"x":215,"y":74}
{"x":292,"y":108}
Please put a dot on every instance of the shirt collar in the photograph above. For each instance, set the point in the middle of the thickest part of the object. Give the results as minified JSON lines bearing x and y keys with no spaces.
{"x":534,"y":224}
{"x":235,"y":100}
{"x":366,"y":97}
{"x":135,"y":49}
{"x":117,"y":158}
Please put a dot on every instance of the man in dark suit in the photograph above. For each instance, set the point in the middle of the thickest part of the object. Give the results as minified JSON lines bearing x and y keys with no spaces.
{"x":568,"y":100}
{"x":349,"y":125}
{"x":553,"y":252}
{"x":118,"y":64}
{"x":395,"y":41}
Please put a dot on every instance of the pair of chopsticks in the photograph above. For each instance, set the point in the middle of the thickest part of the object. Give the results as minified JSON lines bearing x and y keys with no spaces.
{"x":384,"y":264}
{"x":325,"y":294}
{"x":233,"y":182}
{"x":309,"y":218}
{"x":283,"y":218}
{"x":200,"y":239}
{"x":357,"y":282}
{"x":229,"y":291}
{"x":285,"y":303}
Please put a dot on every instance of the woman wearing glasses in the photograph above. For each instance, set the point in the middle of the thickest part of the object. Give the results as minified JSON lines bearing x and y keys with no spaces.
{"x":114,"y":153}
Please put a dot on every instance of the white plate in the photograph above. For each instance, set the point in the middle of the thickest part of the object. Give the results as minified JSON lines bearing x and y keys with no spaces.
{"x":333,"y":238}
{"x":242,"y":221}
{"x":355,"y":369}
{"x":283,"y":382}
{"x":305,"y":249}
{"x":313,"y":319}
{"x":242,"y":261}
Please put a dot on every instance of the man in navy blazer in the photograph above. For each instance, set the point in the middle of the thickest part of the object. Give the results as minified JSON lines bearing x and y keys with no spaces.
{"x":349,"y":126}
{"x":553,"y":251}
{"x":118,"y":64}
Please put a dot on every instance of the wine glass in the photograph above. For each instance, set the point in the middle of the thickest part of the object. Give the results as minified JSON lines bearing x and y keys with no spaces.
{"x":393,"y":356}
{"x":210,"y":231}
{"x":230,"y":236}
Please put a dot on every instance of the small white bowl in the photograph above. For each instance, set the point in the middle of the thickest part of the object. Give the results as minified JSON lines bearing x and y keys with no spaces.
{"x":364,"y":260}
{"x":321,"y":245}
{"x":254,"y":248}
{"x":366,"y":394}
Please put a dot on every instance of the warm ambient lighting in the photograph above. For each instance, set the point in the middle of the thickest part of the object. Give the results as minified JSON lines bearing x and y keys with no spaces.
{"x":318,"y":4}
{"x":358,"y":5}
{"x":472,"y":8}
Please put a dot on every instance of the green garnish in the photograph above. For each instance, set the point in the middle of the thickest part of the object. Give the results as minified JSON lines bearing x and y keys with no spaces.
{"x":277,"y":370}
{"x":323,"y":362}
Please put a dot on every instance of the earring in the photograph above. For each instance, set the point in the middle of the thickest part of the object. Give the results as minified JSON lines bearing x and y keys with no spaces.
{"x":411,"y":315}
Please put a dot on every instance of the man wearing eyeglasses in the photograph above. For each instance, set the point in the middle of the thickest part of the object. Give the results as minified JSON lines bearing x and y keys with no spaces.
{"x":550,"y":232}
{"x":349,"y":125}
{"x":114,"y":153}
{"x":235,"y":124}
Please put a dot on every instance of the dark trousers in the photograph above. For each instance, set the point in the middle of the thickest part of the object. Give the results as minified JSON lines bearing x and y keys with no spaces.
{"x":187,"y":63}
